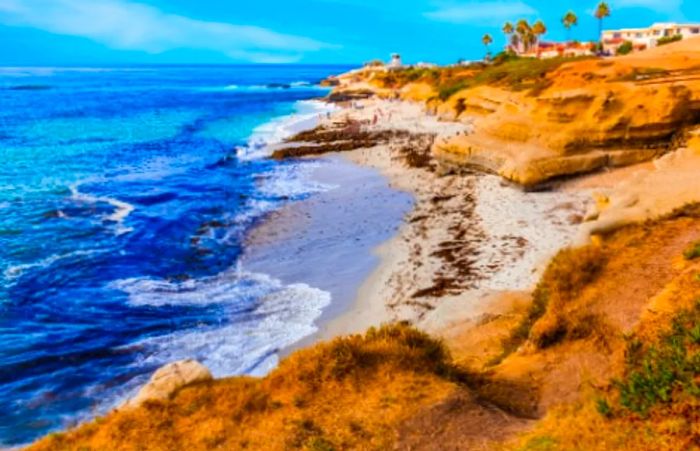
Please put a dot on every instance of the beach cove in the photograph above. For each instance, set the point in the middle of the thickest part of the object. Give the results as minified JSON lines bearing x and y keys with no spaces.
{"x":540,"y":290}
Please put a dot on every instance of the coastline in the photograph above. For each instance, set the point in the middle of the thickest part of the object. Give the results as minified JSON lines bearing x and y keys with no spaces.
{"x":469,"y":237}
{"x":516,"y":310}
{"x":326,"y":240}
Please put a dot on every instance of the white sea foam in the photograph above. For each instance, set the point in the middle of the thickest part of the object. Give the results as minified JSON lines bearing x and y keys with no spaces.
{"x":264,"y":316}
{"x":292,"y":181}
{"x":122,"y":209}
{"x":16,"y":271}
{"x":277,"y":130}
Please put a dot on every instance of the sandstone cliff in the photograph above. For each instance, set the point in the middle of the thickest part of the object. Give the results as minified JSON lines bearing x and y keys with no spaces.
{"x":556,"y":118}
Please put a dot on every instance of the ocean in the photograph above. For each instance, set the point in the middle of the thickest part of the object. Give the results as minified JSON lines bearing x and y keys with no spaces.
{"x":125,"y":198}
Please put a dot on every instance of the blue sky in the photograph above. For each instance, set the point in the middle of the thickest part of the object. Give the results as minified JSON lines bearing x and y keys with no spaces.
{"x":83,"y":32}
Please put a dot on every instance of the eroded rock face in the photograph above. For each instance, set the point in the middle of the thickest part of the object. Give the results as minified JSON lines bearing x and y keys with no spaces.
{"x":582,"y":116}
{"x":566,"y":131}
{"x":652,"y":194}
{"x":168,"y":379}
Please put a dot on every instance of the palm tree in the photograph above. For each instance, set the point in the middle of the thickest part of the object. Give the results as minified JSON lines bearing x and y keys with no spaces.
{"x":524,"y":32}
{"x":601,"y":12}
{"x":508,"y":31}
{"x":487,"y":40}
{"x":569,"y":20}
{"x":538,"y":29}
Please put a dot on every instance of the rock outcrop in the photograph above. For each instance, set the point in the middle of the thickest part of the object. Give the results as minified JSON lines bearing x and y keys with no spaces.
{"x":623,"y":115}
{"x":533,"y":123}
{"x":650,"y":194}
{"x":168,"y":379}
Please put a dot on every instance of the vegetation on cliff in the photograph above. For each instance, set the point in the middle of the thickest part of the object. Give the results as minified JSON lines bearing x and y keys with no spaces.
{"x":349,"y":393}
{"x":507,"y":70}
{"x":608,"y":348}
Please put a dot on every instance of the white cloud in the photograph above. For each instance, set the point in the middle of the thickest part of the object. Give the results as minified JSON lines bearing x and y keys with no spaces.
{"x":482,"y":12}
{"x":126,"y":25}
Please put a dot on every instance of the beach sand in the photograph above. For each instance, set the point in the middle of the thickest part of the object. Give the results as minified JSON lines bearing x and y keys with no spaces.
{"x":395,"y":241}
{"x":469,"y":236}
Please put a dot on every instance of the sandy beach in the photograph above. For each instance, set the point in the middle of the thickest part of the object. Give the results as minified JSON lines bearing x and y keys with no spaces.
{"x":468,"y":237}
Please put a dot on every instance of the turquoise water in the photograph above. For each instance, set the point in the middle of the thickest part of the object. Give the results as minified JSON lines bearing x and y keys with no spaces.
{"x":125,"y":194}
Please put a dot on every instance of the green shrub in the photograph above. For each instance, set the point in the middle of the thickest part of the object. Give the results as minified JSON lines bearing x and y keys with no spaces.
{"x":625,"y":48}
{"x":513,"y":72}
{"x":603,"y":407}
{"x":665,"y":371}
{"x":374,"y":63}
{"x":693,"y":251}
{"x":669,"y":39}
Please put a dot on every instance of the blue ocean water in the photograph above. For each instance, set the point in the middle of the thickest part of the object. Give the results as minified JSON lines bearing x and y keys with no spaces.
{"x":125,"y":194}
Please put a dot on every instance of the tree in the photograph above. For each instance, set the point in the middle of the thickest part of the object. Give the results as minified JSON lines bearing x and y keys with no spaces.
{"x":508,"y":31}
{"x":524,"y":33}
{"x":601,"y":12}
{"x":538,"y":30}
{"x":487,"y":40}
{"x":569,"y":20}
{"x":625,"y":48}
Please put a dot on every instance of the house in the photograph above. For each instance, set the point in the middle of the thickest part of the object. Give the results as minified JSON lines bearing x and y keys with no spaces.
{"x":546,"y":49}
{"x":644,"y":38}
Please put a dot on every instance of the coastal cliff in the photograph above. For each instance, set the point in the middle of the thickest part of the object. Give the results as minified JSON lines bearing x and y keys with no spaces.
{"x":581,"y":348}
{"x":539,"y":120}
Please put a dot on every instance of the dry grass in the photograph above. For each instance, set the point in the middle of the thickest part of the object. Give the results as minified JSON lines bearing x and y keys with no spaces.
{"x":372,"y":391}
{"x":347,"y":394}
{"x":650,"y":398}
{"x":567,"y":275}
{"x":655,"y":404}
{"x":547,"y":321}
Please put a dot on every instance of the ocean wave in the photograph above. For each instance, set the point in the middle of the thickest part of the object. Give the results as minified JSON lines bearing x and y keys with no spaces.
{"x":293,"y":181}
{"x":268,"y":87}
{"x":225,"y":287}
{"x":15,"y":272}
{"x":122,"y":209}
{"x":29,"y":87}
{"x":264,"y":316}
{"x":305,"y":117}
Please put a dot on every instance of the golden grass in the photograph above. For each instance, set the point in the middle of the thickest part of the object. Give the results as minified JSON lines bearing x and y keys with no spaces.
{"x":357,"y":392}
{"x":350,"y":393}
{"x":651,"y":399}
{"x":548,"y":320}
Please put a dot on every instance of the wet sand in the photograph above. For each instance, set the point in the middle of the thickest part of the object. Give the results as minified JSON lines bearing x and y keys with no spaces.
{"x":327,"y":241}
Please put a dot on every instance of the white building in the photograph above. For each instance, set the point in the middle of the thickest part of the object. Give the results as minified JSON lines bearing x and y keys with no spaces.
{"x":395,"y":62}
{"x":644,"y":38}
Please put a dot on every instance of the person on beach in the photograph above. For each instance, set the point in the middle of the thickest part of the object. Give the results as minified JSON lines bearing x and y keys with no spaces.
{"x":375,"y":119}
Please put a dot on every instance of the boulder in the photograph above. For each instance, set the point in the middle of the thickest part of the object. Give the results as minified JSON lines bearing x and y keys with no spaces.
{"x":168,"y":379}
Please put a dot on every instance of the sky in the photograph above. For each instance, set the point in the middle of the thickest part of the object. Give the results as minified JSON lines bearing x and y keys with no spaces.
{"x":118,"y":32}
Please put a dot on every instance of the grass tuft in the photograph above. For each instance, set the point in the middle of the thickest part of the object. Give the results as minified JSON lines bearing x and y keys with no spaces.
{"x":664,"y":372}
{"x":692,"y":252}
{"x":566,"y":276}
